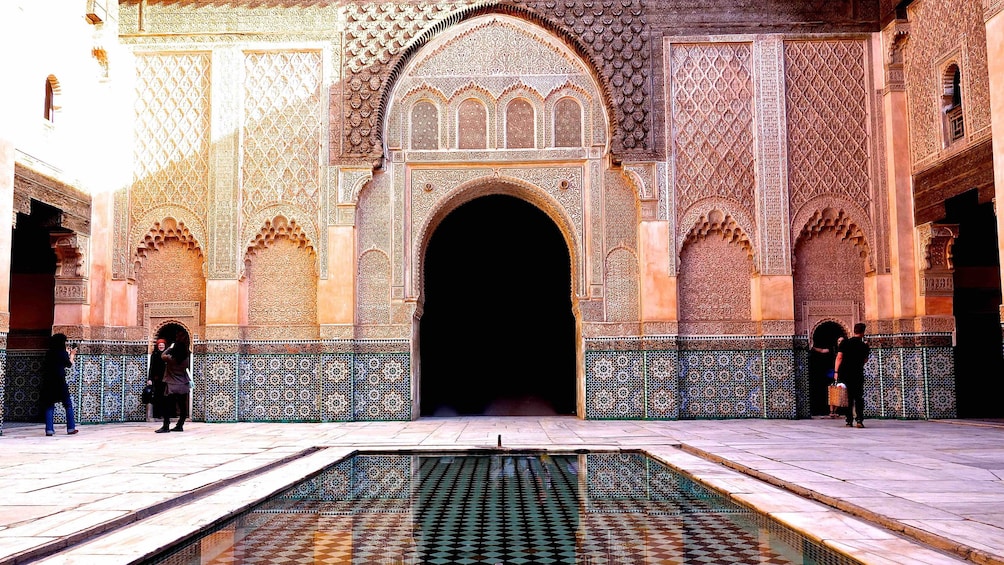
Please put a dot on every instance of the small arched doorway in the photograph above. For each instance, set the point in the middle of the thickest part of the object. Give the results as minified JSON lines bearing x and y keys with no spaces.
{"x":497,"y":334}
{"x":822,"y":356}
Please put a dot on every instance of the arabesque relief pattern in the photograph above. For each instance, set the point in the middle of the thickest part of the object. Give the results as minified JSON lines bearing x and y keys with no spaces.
{"x":171,"y":139}
{"x":171,"y":271}
{"x":939,"y":33}
{"x":829,"y":143}
{"x":379,"y":35}
{"x":712,"y":123}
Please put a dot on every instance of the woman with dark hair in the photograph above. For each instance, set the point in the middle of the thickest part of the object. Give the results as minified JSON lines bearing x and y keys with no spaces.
{"x":177,"y":363}
{"x":54,"y":389}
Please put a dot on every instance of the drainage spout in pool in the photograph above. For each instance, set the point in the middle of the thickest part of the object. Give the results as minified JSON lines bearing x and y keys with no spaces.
{"x":500,"y":440}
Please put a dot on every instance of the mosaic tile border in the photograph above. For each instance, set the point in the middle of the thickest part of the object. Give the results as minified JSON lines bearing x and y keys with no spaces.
{"x":720,"y":377}
{"x":909,"y":376}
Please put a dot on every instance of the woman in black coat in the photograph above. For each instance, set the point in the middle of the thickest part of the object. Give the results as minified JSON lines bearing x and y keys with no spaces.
{"x":177,"y":361}
{"x":54,"y":389}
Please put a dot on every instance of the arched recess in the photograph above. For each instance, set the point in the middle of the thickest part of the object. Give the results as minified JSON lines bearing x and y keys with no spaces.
{"x":169,"y":267}
{"x":505,"y":186}
{"x":280,"y":283}
{"x":497,"y":332}
{"x":716,"y":265}
{"x":830,"y":263}
{"x":712,"y":214}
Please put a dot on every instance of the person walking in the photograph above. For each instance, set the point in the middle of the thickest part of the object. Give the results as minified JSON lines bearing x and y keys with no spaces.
{"x":177,"y":363}
{"x":54,"y":389}
{"x":850,"y":370}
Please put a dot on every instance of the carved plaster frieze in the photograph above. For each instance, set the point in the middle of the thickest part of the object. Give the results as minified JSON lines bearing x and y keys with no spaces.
{"x":896,"y":38}
{"x":74,"y":205}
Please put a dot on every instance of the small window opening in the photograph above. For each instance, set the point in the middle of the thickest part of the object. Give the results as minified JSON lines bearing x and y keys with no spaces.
{"x":955,"y":128}
{"x":51,"y":94}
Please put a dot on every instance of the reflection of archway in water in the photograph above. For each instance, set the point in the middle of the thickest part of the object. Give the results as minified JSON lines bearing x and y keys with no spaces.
{"x":497,"y":334}
{"x":821,"y":358}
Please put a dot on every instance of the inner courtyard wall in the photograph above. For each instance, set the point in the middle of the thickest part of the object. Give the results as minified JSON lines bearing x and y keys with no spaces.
{"x":279,"y":211}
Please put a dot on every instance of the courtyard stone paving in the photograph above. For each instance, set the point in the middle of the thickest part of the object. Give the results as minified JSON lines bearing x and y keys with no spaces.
{"x":918,"y":492}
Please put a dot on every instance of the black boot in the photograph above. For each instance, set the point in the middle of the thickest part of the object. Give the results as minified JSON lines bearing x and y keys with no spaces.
{"x":165,"y":428}
{"x":179,"y":427}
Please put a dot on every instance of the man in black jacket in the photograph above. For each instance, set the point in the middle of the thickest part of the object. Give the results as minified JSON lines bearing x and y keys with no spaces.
{"x":850,"y":370}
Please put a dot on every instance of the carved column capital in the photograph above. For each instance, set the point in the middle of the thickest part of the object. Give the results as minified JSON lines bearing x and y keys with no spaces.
{"x":897,"y":35}
{"x":72,"y":267}
{"x":935,"y":247}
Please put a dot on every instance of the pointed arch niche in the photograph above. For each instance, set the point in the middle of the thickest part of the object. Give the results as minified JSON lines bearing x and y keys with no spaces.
{"x":170,"y":269}
{"x":829,"y":270}
{"x":280,"y":283}
{"x":716,"y":265}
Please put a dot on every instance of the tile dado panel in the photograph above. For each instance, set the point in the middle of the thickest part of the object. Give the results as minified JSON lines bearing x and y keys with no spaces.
{"x":908,"y":376}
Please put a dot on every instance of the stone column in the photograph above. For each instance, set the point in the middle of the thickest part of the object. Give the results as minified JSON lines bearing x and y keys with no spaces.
{"x":994,"y":12}
{"x":903,"y":264}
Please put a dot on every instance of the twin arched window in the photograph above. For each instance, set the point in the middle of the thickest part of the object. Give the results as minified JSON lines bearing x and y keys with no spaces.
{"x":472,"y":125}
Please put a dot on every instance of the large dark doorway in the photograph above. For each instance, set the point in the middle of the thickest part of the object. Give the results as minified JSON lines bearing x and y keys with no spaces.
{"x":977,"y":299}
{"x":822,"y":357}
{"x":32,"y":303}
{"x":497,"y":336}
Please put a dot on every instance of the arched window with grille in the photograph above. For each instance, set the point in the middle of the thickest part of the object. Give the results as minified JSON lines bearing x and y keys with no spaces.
{"x":519,"y":125}
{"x":567,"y":123}
{"x":472,"y":125}
{"x":424,"y":126}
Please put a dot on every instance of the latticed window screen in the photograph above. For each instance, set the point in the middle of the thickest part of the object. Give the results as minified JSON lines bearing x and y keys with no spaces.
{"x":424,"y":126}
{"x":567,"y":123}
{"x":519,"y":131}
{"x":472,"y":123}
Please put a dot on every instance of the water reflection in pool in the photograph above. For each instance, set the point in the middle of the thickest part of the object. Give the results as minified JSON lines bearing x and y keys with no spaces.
{"x":597,"y":508}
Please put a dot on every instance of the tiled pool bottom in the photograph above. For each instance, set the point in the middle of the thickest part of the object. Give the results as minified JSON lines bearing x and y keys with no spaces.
{"x":595,"y":508}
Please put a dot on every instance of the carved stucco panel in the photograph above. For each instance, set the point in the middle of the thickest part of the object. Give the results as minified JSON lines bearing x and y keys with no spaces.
{"x":699,"y":215}
{"x":226,"y":116}
{"x":829,"y":139}
{"x":171,"y":272}
{"x":711,"y":109}
{"x":938,"y":29}
{"x":771,"y":158}
{"x":281,"y":156}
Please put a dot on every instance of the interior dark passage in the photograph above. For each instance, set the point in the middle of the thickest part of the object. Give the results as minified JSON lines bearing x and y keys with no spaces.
{"x":497,"y":336}
{"x":822,"y":357}
{"x":976,"y":301}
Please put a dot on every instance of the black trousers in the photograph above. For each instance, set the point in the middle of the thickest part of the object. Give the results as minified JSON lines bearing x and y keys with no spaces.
{"x":172,"y":400}
{"x":855,"y":402}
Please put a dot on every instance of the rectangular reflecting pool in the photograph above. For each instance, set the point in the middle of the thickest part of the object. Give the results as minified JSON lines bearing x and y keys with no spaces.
{"x":510,"y":508}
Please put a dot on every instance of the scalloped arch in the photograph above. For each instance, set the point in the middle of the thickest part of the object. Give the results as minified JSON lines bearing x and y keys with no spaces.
{"x":291,"y":215}
{"x":713,"y":214}
{"x":279,"y":226}
{"x":163,"y":223}
{"x":485,"y":186}
{"x":832,"y":214}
